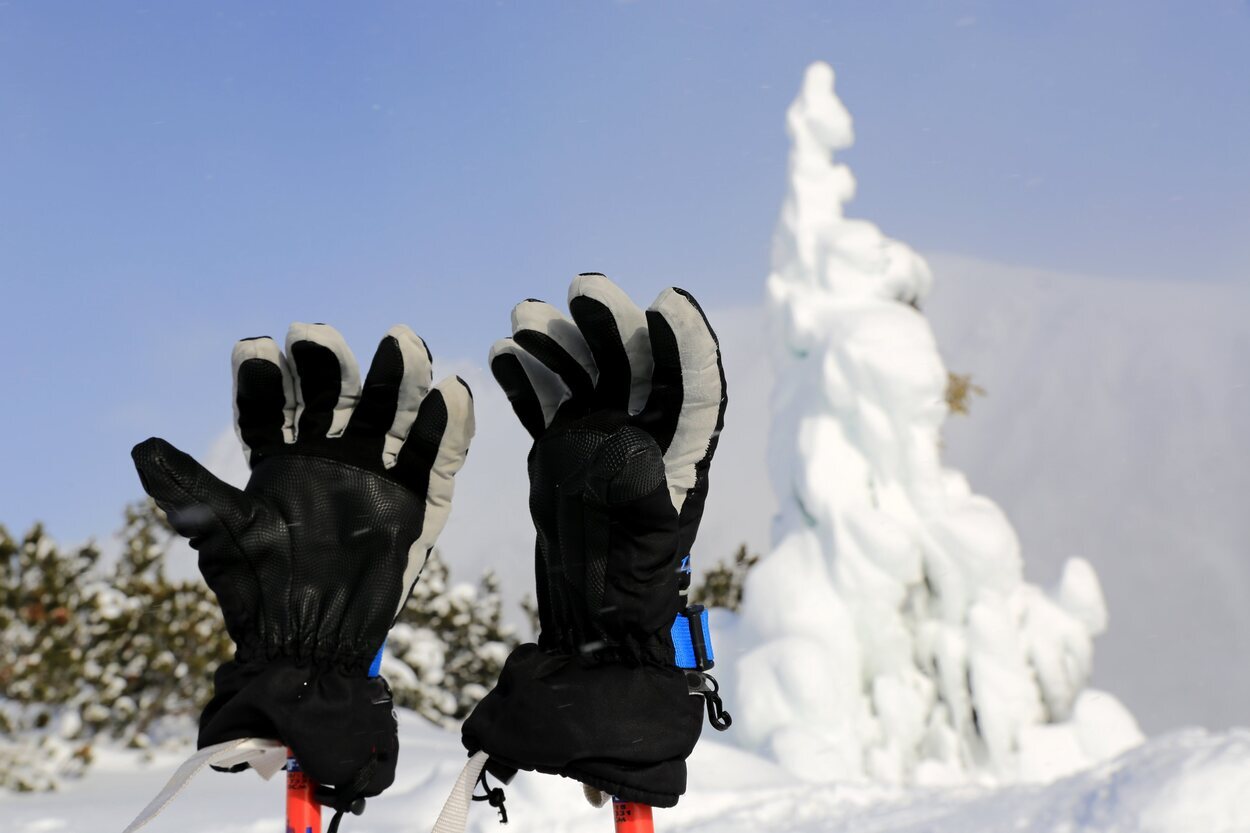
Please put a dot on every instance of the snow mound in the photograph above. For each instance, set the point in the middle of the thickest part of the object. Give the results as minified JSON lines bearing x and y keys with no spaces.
{"x":890,"y":633}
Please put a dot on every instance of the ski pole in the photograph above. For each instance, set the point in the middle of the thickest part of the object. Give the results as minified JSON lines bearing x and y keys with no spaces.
{"x":303,"y":812}
{"x":632,"y":817}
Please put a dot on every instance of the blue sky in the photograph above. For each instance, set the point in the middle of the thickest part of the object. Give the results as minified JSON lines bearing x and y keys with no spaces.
{"x":176,"y":176}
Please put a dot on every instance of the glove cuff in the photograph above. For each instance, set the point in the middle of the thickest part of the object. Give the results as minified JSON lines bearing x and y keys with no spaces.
{"x":655,"y":649}
{"x":253,"y":659}
{"x":340,"y":727}
{"x":628,"y":731}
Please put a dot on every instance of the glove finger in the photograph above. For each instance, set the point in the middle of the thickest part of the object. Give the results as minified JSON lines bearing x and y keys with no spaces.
{"x":434,"y":450}
{"x":398,"y":380}
{"x":197,"y":503}
{"x":686,"y":410}
{"x":213,"y":515}
{"x":326,"y":380}
{"x":549,"y":336}
{"x":616,"y":331}
{"x":264,"y":397}
{"x":535,"y":391}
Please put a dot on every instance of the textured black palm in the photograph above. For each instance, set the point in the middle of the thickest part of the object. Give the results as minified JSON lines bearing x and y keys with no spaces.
{"x":307,"y":562}
{"x":606,"y":540}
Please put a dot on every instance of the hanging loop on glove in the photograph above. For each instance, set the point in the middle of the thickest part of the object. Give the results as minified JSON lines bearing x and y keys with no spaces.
{"x":494,"y":796}
{"x":705,"y":685}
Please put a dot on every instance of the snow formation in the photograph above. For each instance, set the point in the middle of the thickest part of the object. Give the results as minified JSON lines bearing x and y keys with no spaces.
{"x":890,"y":633}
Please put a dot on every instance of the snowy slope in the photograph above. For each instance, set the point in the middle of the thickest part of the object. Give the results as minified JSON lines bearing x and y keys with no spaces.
{"x":1190,"y":782}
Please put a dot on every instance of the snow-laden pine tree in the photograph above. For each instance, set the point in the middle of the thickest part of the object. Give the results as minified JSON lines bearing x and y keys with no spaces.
{"x":890,"y":633}
{"x":448,"y":646}
{"x":98,"y":654}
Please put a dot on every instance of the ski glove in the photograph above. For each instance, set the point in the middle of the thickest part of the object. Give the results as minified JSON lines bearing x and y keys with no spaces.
{"x":625,"y":409}
{"x":313,"y":560}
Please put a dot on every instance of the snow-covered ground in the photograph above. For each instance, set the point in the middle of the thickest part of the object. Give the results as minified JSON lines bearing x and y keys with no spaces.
{"x":1188,"y":782}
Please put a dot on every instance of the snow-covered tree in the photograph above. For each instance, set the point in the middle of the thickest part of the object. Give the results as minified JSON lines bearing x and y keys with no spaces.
{"x":42,"y":600}
{"x":150,"y":644}
{"x":449,"y":645}
{"x":122,"y":655}
{"x":890,"y":633}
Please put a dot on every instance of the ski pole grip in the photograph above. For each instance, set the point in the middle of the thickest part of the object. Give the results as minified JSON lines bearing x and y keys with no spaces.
{"x":632,"y":817}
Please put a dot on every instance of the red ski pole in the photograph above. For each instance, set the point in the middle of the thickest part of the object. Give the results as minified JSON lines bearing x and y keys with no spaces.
{"x":632,"y":817}
{"x":303,"y":812}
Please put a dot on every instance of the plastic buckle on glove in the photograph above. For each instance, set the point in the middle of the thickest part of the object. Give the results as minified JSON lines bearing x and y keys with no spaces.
{"x":692,"y":641}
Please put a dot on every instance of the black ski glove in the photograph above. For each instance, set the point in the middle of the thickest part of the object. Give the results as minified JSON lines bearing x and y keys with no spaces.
{"x":625,"y":410}
{"x":313,"y":560}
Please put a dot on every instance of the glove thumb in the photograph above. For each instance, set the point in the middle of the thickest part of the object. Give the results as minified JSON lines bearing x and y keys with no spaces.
{"x":196,"y":501}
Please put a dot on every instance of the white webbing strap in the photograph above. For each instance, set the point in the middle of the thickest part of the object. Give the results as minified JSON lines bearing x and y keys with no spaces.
{"x":455,"y":815}
{"x":265,"y":756}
